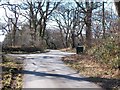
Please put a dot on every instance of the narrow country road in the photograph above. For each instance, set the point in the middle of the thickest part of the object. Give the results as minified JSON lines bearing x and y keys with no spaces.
{"x":46,"y":70}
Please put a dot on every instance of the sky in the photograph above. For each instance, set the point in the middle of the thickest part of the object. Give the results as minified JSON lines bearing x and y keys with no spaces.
{"x":2,"y":14}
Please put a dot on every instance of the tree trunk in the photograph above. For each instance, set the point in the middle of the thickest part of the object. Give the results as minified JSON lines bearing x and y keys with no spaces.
{"x":62,"y":38}
{"x":66,"y":41}
{"x":73,"y":39}
{"x":14,"y":34}
{"x":117,"y":4}
{"x":88,"y":25}
{"x":103,"y":19}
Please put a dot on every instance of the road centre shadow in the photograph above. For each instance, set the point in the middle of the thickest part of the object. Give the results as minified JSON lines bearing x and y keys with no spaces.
{"x":107,"y":84}
{"x":47,"y":57}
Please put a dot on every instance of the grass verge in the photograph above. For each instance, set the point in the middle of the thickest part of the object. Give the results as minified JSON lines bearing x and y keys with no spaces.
{"x":101,"y":74}
{"x":11,"y":76}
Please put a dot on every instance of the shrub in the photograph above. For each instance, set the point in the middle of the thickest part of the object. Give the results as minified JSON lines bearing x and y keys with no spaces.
{"x":108,"y":51}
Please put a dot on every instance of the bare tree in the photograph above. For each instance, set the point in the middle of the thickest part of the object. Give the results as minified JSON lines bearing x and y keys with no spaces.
{"x":87,"y":8}
{"x":69,"y":22}
{"x":12,"y":22}
{"x":38,"y":15}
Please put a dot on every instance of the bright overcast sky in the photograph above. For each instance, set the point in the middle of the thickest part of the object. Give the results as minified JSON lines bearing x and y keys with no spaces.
{"x":2,"y":14}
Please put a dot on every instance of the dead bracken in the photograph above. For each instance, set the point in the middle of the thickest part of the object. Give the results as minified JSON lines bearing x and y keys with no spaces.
{"x":96,"y":72}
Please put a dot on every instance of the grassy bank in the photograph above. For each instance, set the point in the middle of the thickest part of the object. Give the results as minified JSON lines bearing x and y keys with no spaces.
{"x":11,"y":76}
{"x":94,"y":71}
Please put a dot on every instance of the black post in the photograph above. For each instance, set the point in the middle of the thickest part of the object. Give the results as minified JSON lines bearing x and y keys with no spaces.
{"x":79,"y":49}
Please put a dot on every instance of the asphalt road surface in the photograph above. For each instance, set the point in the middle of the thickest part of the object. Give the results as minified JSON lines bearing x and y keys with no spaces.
{"x":46,"y":70}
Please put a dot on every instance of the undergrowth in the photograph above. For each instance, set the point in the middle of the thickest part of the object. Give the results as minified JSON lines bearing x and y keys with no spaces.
{"x":11,"y":76}
{"x":108,"y":51}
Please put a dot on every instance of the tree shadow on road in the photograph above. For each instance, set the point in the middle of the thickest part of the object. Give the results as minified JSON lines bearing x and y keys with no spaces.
{"x":107,"y":84}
